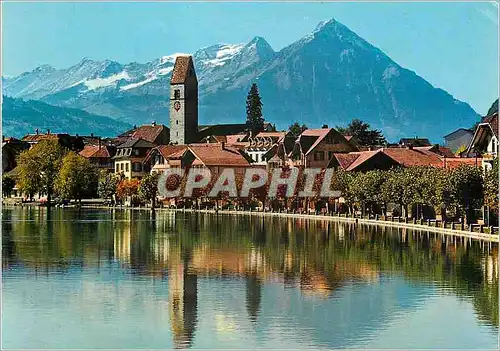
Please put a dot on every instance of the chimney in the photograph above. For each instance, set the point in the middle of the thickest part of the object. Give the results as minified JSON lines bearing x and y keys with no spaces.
{"x":410,"y":147}
{"x":92,"y":135}
{"x":324,"y":126}
{"x":222,"y":145}
{"x":36,"y":131}
{"x":99,"y":143}
{"x":48,"y":131}
{"x":153,"y":123}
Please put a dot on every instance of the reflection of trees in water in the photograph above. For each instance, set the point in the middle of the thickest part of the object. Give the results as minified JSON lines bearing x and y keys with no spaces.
{"x":318,"y":257}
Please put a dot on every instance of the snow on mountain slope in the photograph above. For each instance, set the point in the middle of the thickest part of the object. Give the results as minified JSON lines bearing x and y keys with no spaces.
{"x":330,"y":76}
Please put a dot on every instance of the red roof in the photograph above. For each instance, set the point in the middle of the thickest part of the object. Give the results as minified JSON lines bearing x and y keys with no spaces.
{"x":148,"y":132}
{"x":411,"y":157}
{"x":216,"y":155}
{"x":345,"y":160}
{"x":458,"y":161}
{"x":93,"y":151}
{"x":436,"y":149}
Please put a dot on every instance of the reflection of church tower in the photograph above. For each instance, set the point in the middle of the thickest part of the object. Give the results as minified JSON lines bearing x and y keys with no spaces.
{"x":183,"y":102}
{"x":183,"y":303}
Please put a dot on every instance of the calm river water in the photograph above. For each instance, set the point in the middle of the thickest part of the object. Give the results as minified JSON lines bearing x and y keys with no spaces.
{"x":118,"y":279}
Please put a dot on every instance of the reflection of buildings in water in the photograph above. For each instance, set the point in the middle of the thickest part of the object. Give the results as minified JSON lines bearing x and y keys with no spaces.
{"x":122,"y":242}
{"x":183,"y":304}
{"x":489,"y":266}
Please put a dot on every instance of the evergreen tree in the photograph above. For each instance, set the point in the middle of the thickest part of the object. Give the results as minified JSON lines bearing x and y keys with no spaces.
{"x":296,"y":129}
{"x":255,"y":121}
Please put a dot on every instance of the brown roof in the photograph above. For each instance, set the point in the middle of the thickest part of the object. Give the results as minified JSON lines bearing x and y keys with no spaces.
{"x":93,"y":151}
{"x":148,"y":132}
{"x":345,"y":160}
{"x":411,"y":157}
{"x":38,"y":137}
{"x":439,"y":150}
{"x":181,"y":69}
{"x":168,"y":150}
{"x":458,"y":161}
{"x":88,"y":151}
{"x":231,"y":139}
{"x":215,"y":155}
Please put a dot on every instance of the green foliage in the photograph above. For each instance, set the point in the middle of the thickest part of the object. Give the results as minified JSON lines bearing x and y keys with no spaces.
{"x":39,"y":167}
{"x":8,"y":184}
{"x":491,"y":187}
{"x":363,"y":133}
{"x":255,"y":121}
{"x":464,"y":189}
{"x":76,"y":178}
{"x":296,"y":129}
{"x":108,"y":184}
{"x":148,"y":188}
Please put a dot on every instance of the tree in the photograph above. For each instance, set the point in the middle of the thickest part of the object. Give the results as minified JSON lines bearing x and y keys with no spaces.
{"x":148,"y":188}
{"x":108,"y":183}
{"x":255,"y":121}
{"x":363,"y":133}
{"x":491,"y":188}
{"x":39,"y":166}
{"x":8,"y":184}
{"x":127,"y":188}
{"x":296,"y":129}
{"x":465,"y":188}
{"x":76,"y":178}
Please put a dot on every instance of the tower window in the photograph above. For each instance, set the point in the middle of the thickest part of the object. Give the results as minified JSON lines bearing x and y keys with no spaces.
{"x":176,"y":122}
{"x":177,"y":94}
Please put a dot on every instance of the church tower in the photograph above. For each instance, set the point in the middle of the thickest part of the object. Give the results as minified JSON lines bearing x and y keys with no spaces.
{"x":183,"y":102}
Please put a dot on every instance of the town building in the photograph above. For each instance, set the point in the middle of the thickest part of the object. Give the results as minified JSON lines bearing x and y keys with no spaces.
{"x":259,"y":145}
{"x":386,"y":158}
{"x":156,"y":134}
{"x":100,"y":156}
{"x":459,"y":139}
{"x":484,"y":143}
{"x":72,"y":142}
{"x":129,"y":158}
{"x":315,"y":148}
{"x":11,"y":148}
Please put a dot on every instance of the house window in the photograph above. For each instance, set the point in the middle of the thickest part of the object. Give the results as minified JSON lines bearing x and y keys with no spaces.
{"x":117,"y":168}
{"x":126,"y":167}
{"x":136,"y":152}
{"x":136,"y":167}
{"x":319,"y":156}
{"x":121,"y":166}
{"x":177,"y":94}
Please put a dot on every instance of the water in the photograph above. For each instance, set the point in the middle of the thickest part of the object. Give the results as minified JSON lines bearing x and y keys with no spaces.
{"x":118,"y":279}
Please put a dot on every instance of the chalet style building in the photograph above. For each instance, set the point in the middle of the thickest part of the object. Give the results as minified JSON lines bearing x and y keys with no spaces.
{"x":100,"y":156}
{"x":129,"y":158}
{"x":313,"y":148}
{"x":484,"y":143}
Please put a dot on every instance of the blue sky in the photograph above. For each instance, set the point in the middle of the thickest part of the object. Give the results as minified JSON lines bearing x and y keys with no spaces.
{"x":452,"y":45}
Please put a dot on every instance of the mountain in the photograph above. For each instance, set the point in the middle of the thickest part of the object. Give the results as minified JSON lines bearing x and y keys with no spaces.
{"x":328,"y":77}
{"x":23,"y":117}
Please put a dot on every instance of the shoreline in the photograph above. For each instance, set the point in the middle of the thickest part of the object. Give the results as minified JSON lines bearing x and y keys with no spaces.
{"x":335,"y":218}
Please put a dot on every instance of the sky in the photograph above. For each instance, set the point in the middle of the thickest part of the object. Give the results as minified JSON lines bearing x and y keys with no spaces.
{"x":454,"y":46}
